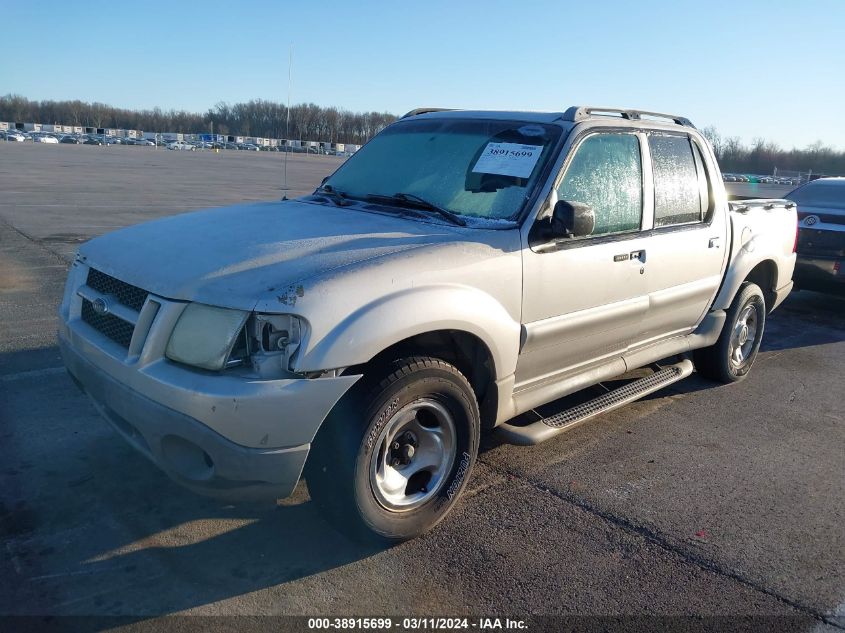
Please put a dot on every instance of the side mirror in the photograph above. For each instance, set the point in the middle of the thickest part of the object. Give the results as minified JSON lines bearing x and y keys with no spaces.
{"x":572,"y":219}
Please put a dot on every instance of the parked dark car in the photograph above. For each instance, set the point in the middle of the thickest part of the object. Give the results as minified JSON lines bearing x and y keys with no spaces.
{"x":70,"y":140}
{"x":821,"y":235}
{"x":92,"y":141}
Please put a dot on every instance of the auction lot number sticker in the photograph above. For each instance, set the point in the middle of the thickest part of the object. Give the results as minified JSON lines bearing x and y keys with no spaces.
{"x":508,"y":159}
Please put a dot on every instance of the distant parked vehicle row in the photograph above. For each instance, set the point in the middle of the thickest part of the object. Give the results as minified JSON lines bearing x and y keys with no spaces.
{"x":763,"y":180}
{"x":182,"y":145}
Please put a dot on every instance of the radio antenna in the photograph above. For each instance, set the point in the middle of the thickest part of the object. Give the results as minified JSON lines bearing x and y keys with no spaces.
{"x":287,"y":124}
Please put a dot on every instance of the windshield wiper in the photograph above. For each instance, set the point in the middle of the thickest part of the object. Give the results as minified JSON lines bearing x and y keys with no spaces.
{"x":337,"y":197}
{"x":414,"y":201}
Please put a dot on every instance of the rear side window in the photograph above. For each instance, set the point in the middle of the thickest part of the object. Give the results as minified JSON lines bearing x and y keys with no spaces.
{"x":677,"y":189}
{"x":606,"y":173}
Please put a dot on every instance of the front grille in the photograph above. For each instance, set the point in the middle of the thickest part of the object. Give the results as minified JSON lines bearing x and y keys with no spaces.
{"x":127,"y":294}
{"x":116,"y":329}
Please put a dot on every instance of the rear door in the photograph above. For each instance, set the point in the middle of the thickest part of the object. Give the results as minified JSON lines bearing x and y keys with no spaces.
{"x":688,"y":249}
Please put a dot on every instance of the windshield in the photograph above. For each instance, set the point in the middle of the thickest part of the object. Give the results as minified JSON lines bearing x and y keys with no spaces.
{"x":480,"y":168}
{"x":819,"y":194}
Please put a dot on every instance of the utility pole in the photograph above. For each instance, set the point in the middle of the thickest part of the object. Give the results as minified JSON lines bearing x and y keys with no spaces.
{"x":287,"y":123}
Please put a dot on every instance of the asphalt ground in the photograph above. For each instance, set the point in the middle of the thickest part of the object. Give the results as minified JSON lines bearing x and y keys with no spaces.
{"x":713,"y":506}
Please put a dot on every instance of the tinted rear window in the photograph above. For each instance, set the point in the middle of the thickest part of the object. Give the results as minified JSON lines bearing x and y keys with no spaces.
{"x":819,"y":194}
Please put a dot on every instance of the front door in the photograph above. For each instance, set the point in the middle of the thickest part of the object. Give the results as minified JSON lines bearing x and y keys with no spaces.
{"x":584,"y":300}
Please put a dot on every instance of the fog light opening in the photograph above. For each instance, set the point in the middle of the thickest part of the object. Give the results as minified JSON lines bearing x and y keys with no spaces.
{"x":186,"y":459}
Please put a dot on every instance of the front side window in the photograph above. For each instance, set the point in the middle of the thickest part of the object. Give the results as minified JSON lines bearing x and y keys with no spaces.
{"x":606,"y":174}
{"x":480,"y":168}
{"x":677,"y":194}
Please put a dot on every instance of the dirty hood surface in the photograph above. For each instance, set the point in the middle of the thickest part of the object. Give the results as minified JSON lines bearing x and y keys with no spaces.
{"x":235,"y":256}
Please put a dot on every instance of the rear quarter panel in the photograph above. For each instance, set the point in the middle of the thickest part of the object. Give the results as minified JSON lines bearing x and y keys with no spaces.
{"x":759,"y":235}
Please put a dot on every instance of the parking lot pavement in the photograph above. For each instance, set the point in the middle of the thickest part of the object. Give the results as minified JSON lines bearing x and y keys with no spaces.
{"x":701,"y":500}
{"x":62,"y":195}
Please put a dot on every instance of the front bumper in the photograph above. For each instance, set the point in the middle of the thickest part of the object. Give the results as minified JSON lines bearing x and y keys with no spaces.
{"x":188,"y":451}
{"x":231,"y":434}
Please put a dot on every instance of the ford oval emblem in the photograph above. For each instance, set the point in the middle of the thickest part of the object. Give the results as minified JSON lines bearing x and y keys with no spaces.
{"x":100,"y":305}
{"x":810,"y":220}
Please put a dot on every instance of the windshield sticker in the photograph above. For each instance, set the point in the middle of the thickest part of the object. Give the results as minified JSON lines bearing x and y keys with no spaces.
{"x":508,"y":159}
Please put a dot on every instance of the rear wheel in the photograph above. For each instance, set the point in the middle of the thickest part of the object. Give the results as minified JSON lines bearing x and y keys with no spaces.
{"x":731,"y":357}
{"x":392,"y":460}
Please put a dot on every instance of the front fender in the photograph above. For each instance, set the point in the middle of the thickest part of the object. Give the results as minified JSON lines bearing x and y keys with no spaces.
{"x":376,"y":326}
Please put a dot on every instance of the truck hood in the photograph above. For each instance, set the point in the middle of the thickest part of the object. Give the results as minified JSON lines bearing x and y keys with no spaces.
{"x":235,"y":256}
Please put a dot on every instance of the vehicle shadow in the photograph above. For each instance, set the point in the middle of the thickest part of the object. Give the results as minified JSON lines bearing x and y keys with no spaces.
{"x":806,"y":318}
{"x":139,"y":531}
{"x":90,"y":527}
{"x":216,"y":552}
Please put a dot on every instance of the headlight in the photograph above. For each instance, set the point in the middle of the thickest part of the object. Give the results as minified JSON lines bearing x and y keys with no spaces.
{"x":204,"y":336}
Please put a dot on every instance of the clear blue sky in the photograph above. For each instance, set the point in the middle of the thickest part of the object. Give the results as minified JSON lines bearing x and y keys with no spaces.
{"x":750,"y":67}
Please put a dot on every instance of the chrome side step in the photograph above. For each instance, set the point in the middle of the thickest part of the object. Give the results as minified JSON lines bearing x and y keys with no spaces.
{"x":541,"y":430}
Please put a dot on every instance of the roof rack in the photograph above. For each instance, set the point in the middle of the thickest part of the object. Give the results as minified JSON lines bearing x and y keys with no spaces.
{"x":425,"y":111}
{"x":582,"y":113}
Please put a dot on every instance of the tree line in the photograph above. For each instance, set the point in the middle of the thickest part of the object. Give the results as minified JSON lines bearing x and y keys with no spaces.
{"x":762,"y":156}
{"x":311,"y":122}
{"x":258,"y":118}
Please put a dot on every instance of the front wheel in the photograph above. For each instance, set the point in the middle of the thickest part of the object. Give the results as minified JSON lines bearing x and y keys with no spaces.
{"x":731,"y":357}
{"x":391,"y":461}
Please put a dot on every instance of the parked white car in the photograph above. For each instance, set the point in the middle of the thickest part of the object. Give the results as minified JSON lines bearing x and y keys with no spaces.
{"x":181,"y":145}
{"x":16,"y":137}
{"x":45,"y":139}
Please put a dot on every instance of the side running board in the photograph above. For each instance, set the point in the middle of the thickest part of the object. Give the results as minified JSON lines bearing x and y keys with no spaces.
{"x":541,"y":430}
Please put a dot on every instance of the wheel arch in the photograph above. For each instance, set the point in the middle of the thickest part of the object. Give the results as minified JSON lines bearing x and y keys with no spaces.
{"x":468,"y":353}
{"x":763,"y":272}
{"x":764,"y":275}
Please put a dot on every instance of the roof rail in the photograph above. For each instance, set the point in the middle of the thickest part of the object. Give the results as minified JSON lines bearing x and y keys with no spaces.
{"x":425,"y":111}
{"x":582,"y":113}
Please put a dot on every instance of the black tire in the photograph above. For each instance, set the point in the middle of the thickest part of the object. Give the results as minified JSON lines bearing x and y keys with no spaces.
{"x":341,"y":469}
{"x":716,"y":362}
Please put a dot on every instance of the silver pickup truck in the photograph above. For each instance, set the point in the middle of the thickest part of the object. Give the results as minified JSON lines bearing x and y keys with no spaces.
{"x":461,"y":269}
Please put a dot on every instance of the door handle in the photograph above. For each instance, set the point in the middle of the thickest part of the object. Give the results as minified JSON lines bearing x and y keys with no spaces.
{"x":638,"y":255}
{"x":713,"y":243}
